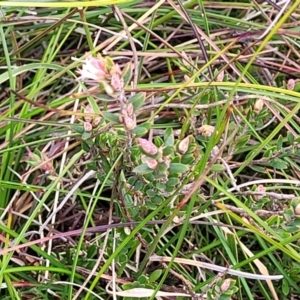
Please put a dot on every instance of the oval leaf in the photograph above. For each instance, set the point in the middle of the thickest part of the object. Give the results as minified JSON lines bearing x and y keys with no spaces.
{"x":217,"y":168}
{"x":155,"y":275}
{"x":142,"y":169}
{"x":111,"y":117}
{"x":178,"y":168}
{"x":279,"y":164}
{"x":139,"y":131}
{"x":137,"y":101}
{"x":169,"y":137}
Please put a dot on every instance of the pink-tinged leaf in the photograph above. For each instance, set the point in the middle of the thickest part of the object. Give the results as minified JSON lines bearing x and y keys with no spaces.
{"x":96,"y":121}
{"x":206,"y":130}
{"x":129,"y":123}
{"x":88,"y":110}
{"x":87,"y":126}
{"x":258,"y":105}
{"x":129,"y":109}
{"x":184,"y":145}
{"x":220,"y":76}
{"x":225,"y":285}
{"x":152,"y":163}
{"x":148,"y":147}
{"x":291,"y":84}
{"x":117,"y":82}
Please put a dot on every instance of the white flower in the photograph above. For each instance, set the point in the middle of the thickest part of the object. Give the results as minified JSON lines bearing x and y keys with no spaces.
{"x":93,"y":68}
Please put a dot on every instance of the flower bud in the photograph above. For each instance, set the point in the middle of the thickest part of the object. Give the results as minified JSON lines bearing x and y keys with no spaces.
{"x":88,"y":110}
{"x":259,"y":189}
{"x":176,"y":220}
{"x":96,"y":121}
{"x":116,"y":82}
{"x":87,"y":126}
{"x":258,"y":105}
{"x":93,"y":68}
{"x":220,"y":76}
{"x":48,"y":168}
{"x":184,"y":145}
{"x":206,"y":130}
{"x":152,"y":163}
{"x":291,"y":84}
{"x":148,"y":147}
{"x":225,"y":285}
{"x":129,"y":109}
{"x":297,"y":209}
{"x":108,"y":89}
{"x":129,"y":123}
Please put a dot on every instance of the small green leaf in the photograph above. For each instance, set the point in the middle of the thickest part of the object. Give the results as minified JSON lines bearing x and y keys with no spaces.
{"x":155,"y":275}
{"x":142,"y":169}
{"x":111,"y":117}
{"x":92,"y":251}
{"x":127,"y":73}
{"x":142,"y":279}
{"x":151,"y":193}
{"x":268,"y":153}
{"x":279,"y":143}
{"x":285,"y":287}
{"x":127,"y":286}
{"x":169,"y":137}
{"x":294,"y":274}
{"x":176,"y":159}
{"x":157,"y":199}
{"x":122,"y":258}
{"x":259,"y":169}
{"x":242,"y":142}
{"x":290,"y":138}
{"x":137,"y":101}
{"x":138,"y":186}
{"x":187,"y":159}
{"x":168,"y":150}
{"x":139,"y":131}
{"x":105,"y":97}
{"x":279,"y":164}
{"x":160,"y":186}
{"x":158,"y":141}
{"x":146,"y":125}
{"x":172,"y":181}
{"x":288,"y":214}
{"x":109,"y":62}
{"x":86,"y":135}
{"x":151,"y":205}
{"x":217,"y":168}
{"x":162,"y":167}
{"x":274,"y":220}
{"x":297,"y":87}
{"x":177,"y":168}
{"x":77,"y":128}
{"x":105,"y":163}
